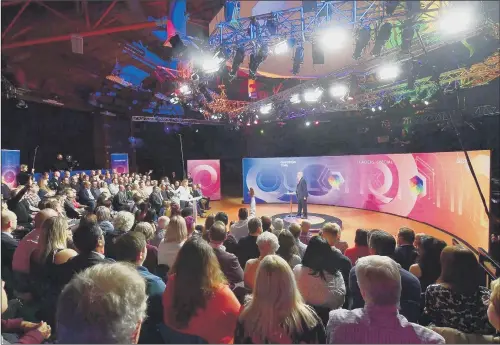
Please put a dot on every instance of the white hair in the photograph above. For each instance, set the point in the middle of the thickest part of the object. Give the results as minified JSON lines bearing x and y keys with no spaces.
{"x":278,"y":224}
{"x":103,"y":304}
{"x":123,"y":221}
{"x":164,"y":218}
{"x":267,"y":243}
{"x":380,"y":280}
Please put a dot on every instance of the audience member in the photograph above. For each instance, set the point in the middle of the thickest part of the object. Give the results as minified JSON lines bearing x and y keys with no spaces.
{"x":332,"y":233}
{"x":85,"y":196}
{"x":428,"y":267}
{"x":120,"y":200}
{"x":319,"y":278}
{"x":161,"y":229}
{"x":151,"y":259}
{"x":267,"y":243}
{"x":278,"y":225}
{"x":405,"y":253}
{"x":253,"y":204}
{"x":103,"y":215}
{"x":360,"y":248}
{"x":175,"y":236}
{"x":295,"y":230}
{"x":228,"y":262}
{"x":9,"y":243}
{"x":20,"y":206}
{"x":122,"y":223}
{"x":288,"y":249}
{"x":458,"y":300}
{"x":209,"y":221}
{"x":494,"y":306}
{"x":276,"y":312}
{"x":247,"y":246}
{"x":132,"y":248}
{"x":240,"y":228}
{"x":383,"y":244}
{"x":104,"y":304}
{"x":378,"y":322}
{"x":197,"y":300}
{"x":305,"y":236}
{"x":266,"y":223}
{"x":418,"y":240}
{"x":230,"y":243}
{"x":191,"y":227}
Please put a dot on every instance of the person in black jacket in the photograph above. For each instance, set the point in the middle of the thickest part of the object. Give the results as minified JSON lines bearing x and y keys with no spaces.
{"x":5,"y":190}
{"x":21,"y":207}
{"x":302,"y":194}
{"x":156,"y":200}
{"x":405,"y":253}
{"x":247,"y":246}
{"x":9,"y":246}
{"x":24,"y":176}
{"x":120,"y":200}
{"x":54,"y":181}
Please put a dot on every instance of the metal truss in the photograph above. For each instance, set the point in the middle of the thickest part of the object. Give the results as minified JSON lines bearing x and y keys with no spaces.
{"x":181,"y":121}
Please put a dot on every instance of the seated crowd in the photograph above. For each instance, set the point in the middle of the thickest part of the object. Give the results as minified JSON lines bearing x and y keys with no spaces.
{"x":119,"y":258}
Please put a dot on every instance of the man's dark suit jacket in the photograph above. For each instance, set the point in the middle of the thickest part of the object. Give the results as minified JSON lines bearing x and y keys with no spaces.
{"x":9,"y":245}
{"x":109,"y":240}
{"x":54,"y":184}
{"x":70,"y":210}
{"x":23,"y":177}
{"x":78,"y":264}
{"x":247,"y":249}
{"x":302,"y":189}
{"x":5,"y":191}
{"x":155,"y":200}
{"x":120,"y":201}
{"x":405,"y":255}
{"x":410,"y":294}
{"x":20,"y":208}
{"x":83,"y":197}
{"x":230,"y":266}
{"x":95,"y":192}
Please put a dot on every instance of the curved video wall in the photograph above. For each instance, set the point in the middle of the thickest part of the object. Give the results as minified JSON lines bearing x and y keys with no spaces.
{"x":435,"y":188}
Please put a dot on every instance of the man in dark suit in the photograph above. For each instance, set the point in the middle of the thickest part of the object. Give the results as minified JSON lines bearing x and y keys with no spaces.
{"x":384,"y":244}
{"x":85,"y":196}
{"x":89,"y":240}
{"x":247,"y":246}
{"x":156,"y":200}
{"x":9,"y":245}
{"x":120,"y":200}
{"x":228,"y":262}
{"x":54,"y":181}
{"x":302,"y":194}
{"x":405,"y":253}
{"x":95,"y":189}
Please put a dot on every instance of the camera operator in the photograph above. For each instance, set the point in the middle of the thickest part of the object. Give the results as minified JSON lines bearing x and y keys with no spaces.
{"x":60,"y":164}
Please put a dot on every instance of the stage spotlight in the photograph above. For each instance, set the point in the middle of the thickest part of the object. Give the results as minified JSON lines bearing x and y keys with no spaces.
{"x":239,"y":56}
{"x":266,"y":109}
{"x":338,"y":91}
{"x":390,"y":7}
{"x":362,"y":40}
{"x":407,"y":36}
{"x":256,"y":60}
{"x":295,"y":99}
{"x":389,"y":72}
{"x":311,"y":96}
{"x":281,"y":48}
{"x":185,"y":89}
{"x":308,"y":123}
{"x":298,"y":59}
{"x":456,"y":20}
{"x":333,"y":38}
{"x":213,"y":64}
{"x":261,"y":131}
{"x":316,"y":123}
{"x":383,"y":35}
{"x":426,"y":102}
{"x":373,"y":109}
{"x":379,"y":107}
{"x":256,"y":122}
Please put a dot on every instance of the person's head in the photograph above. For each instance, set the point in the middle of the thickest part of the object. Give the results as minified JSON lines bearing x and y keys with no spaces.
{"x":429,"y":256}
{"x":331,"y":233}
{"x":418,"y":239}
{"x":175,"y":209}
{"x":318,"y":257}
{"x":23,"y":167}
{"x":278,"y":224}
{"x":65,"y":180}
{"x":103,"y":214}
{"x":197,"y":274}
{"x":123,"y":221}
{"x":54,"y":235}
{"x":9,"y":221}
{"x":459,"y":269}
{"x":190,"y":224}
{"x":185,"y":183}
{"x":162,"y":222}
{"x":305,"y":226}
{"x":131,"y":248}
{"x":88,"y":220}
{"x":287,"y":245}
{"x":266,"y":223}
{"x":186,"y":211}
{"x":406,"y":236}
{"x":57,"y":174}
{"x":242,"y":213}
{"x":267,"y":242}
{"x":299,"y":175}
{"x":217,"y":233}
{"x":43,"y":215}
{"x":222,"y":216}
{"x":146,"y":229}
{"x":86,"y":184}
{"x":381,"y":243}
{"x":89,"y":238}
{"x":105,"y":303}
{"x":176,"y":230}
{"x":70,"y":193}
{"x":379,"y":280}
{"x":209,"y":221}
{"x":176,"y":184}
{"x":276,"y":303}
{"x":494,"y":307}
{"x":361,"y":238}
{"x":59,"y":156}
{"x":295,"y":230}
{"x":254,"y":226}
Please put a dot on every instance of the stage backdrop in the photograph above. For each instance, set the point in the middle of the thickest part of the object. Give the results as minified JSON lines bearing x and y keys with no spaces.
{"x":119,"y":161}
{"x":434,"y":188}
{"x":206,"y":173}
{"x":10,"y":166}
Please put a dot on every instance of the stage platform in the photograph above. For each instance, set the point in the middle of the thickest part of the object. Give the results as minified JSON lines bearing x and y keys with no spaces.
{"x":350,"y":218}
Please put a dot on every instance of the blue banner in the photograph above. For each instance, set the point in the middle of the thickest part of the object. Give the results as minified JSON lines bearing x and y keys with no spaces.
{"x":119,"y":162}
{"x":11,"y":162}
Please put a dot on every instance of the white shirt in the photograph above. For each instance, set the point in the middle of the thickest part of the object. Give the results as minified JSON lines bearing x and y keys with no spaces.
{"x":316,"y":291}
{"x":167,"y":252}
{"x":184,"y":194}
{"x":239,"y":229}
{"x":253,"y":208}
{"x":113,"y":189}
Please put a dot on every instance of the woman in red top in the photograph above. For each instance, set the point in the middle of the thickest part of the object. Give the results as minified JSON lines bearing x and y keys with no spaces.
{"x":197,"y":300}
{"x":360,"y":248}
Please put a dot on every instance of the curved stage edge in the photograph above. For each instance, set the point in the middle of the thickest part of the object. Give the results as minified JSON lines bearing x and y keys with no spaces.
{"x":352,"y":218}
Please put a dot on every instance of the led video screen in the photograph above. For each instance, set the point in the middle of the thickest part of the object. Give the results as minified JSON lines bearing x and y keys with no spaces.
{"x":435,"y":188}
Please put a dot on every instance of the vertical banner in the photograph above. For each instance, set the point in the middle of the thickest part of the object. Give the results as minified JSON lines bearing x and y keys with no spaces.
{"x":207,"y":174}
{"x":11,"y":161}
{"x":119,"y":161}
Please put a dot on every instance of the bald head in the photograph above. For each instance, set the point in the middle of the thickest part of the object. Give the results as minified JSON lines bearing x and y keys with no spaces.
{"x":43,"y":215}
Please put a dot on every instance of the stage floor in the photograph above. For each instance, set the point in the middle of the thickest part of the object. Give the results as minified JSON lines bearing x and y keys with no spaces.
{"x":351,"y":218}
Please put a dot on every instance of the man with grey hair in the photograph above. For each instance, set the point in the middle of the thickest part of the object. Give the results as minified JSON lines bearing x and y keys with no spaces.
{"x":278,"y":225}
{"x":161,"y":228}
{"x":378,"y":322}
{"x":268,"y":244}
{"x":105,"y":304}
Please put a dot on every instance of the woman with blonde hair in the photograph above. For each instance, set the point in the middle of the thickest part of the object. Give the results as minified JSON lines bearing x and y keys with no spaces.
{"x":198,"y":301}
{"x":175,"y":236}
{"x":276,"y":312}
{"x":43,"y":188}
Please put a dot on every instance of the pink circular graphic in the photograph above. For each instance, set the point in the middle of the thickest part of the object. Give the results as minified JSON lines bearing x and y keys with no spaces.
{"x":120,"y":170}
{"x":9,"y":176}
{"x":208,"y":177}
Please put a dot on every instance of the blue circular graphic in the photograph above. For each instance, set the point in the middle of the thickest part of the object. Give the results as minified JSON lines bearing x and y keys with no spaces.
{"x":268,"y":180}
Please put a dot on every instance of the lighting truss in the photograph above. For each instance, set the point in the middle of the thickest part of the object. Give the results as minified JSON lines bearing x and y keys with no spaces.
{"x":181,"y":121}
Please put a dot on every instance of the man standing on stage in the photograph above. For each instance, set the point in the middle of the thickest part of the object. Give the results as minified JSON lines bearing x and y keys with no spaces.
{"x":302,"y":194}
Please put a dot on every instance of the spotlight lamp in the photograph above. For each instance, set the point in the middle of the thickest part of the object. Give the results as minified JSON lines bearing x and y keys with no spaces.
{"x":298,"y":59}
{"x":383,"y":35}
{"x":308,"y":123}
{"x":281,"y":48}
{"x":313,"y":95}
{"x":407,"y":36}
{"x":388,"y":72}
{"x":256,"y":59}
{"x":295,"y":99}
{"x":362,"y":40}
{"x":239,"y":56}
{"x":456,"y":20}
{"x":333,"y":38}
{"x":185,"y":89}
{"x":338,"y":90}
{"x":266,"y":109}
